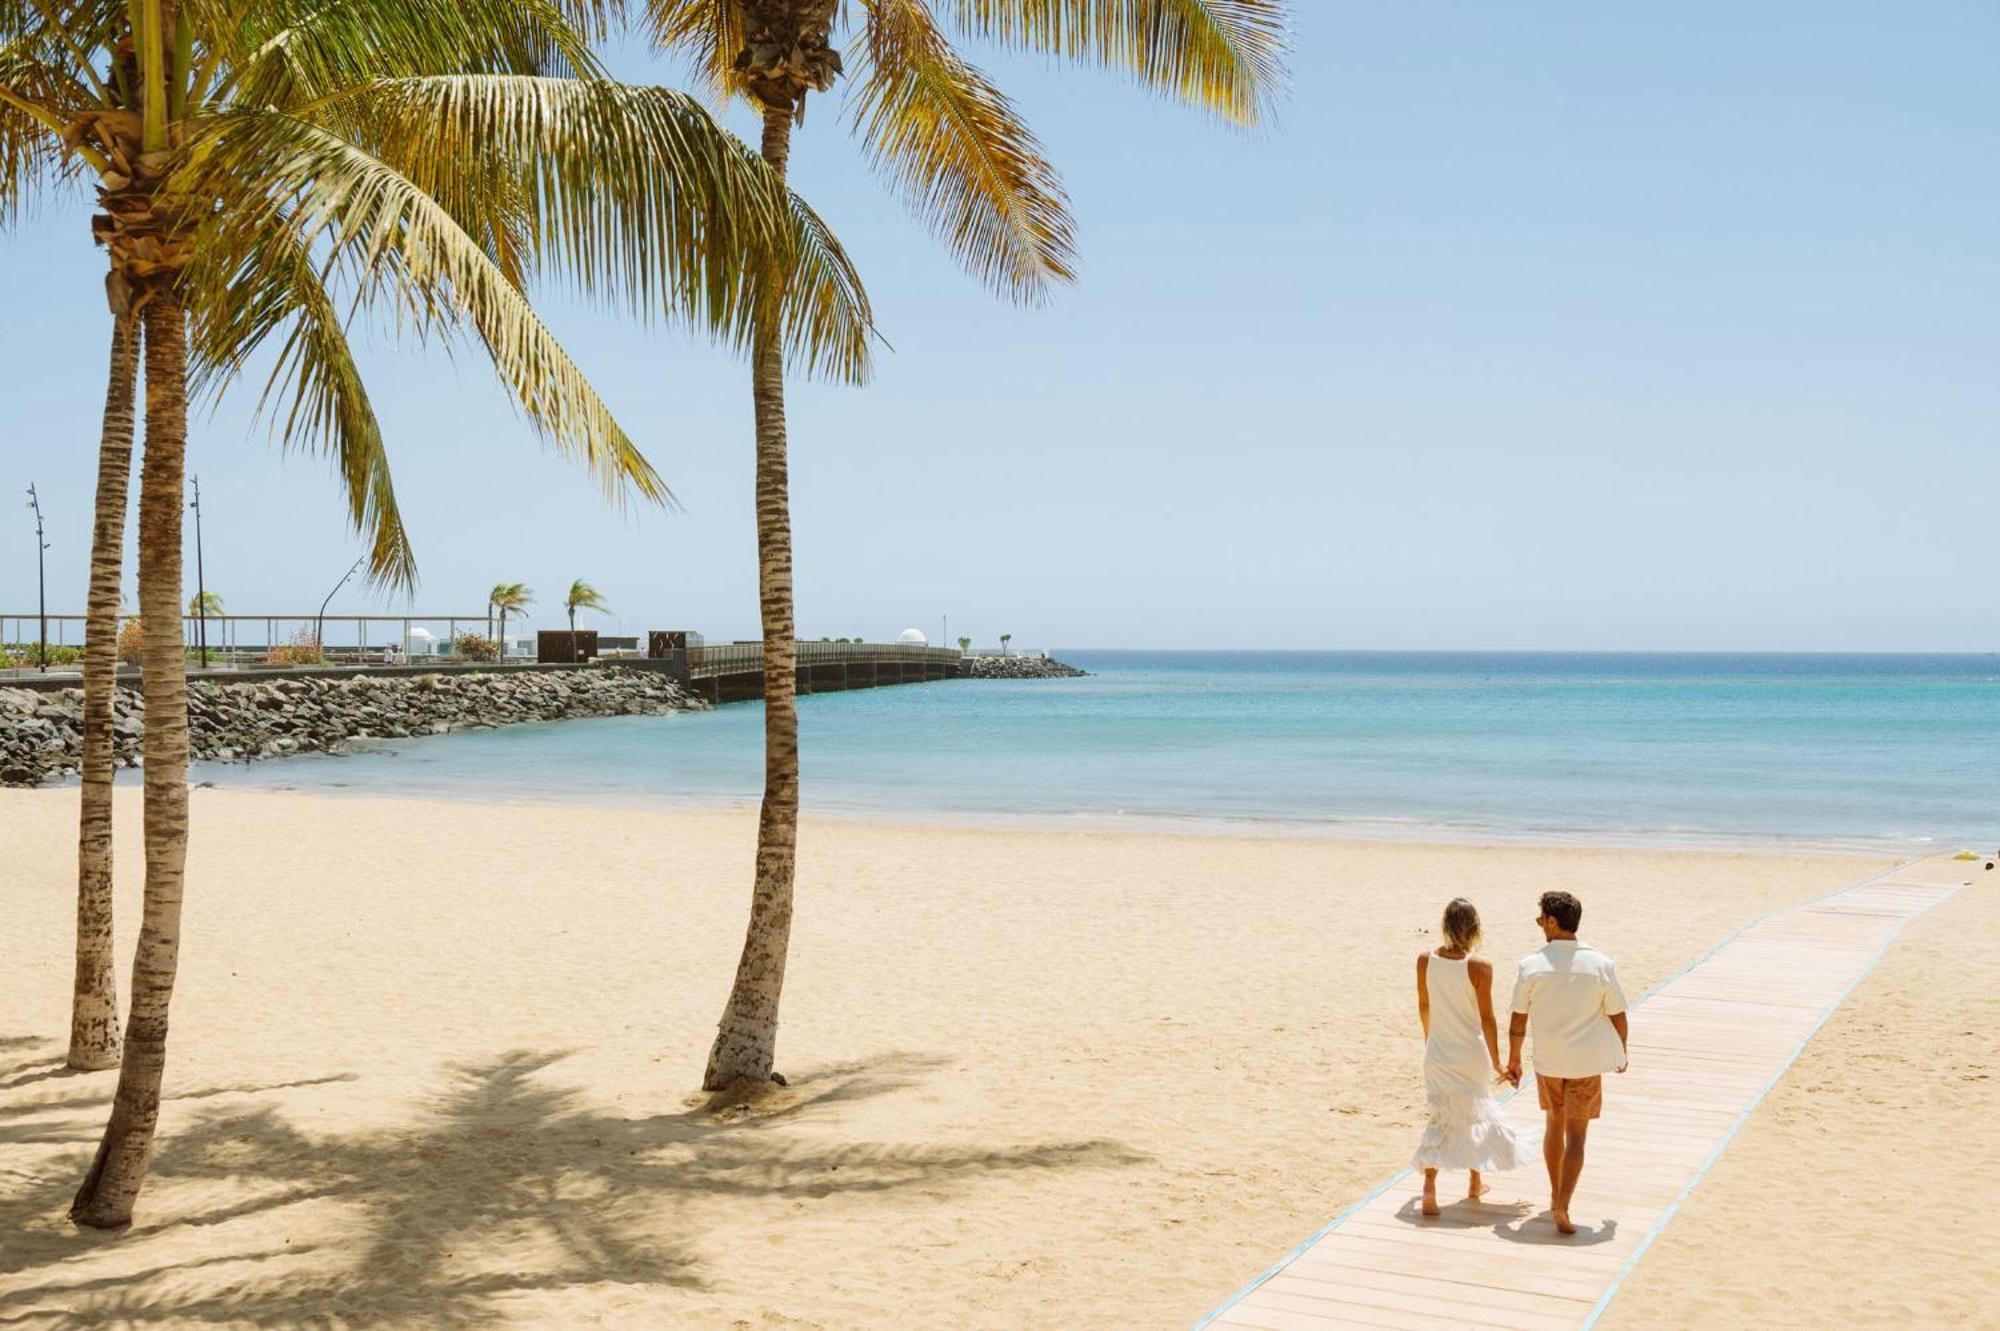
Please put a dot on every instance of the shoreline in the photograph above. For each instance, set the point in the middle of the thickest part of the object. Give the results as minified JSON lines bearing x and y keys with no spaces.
{"x":1241,"y":828}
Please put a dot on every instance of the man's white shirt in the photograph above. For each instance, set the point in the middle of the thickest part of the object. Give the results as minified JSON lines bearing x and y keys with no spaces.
{"x":1567,"y":989}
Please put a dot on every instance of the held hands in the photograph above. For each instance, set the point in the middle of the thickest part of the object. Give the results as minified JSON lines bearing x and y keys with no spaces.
{"x":1511,"y":1074}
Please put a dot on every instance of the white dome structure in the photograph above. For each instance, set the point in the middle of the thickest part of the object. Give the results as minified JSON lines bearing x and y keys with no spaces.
{"x":914,"y":637}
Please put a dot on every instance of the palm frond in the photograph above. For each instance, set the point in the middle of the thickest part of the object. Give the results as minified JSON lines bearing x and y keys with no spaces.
{"x":707,"y":33}
{"x":583,"y":596}
{"x":963,"y":160}
{"x":512,"y":596}
{"x":28,"y":157}
{"x":247,"y":286}
{"x":38,"y":95}
{"x":1223,"y":56}
{"x":405,"y":247}
{"x":627,"y":192}
{"x":286,"y":53}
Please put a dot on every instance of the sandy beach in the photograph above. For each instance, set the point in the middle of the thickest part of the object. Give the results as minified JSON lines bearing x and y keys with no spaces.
{"x":1853,"y":1194}
{"x":433,"y":1063}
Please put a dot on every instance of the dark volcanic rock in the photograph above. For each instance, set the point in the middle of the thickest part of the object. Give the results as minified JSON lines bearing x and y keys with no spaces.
{"x":267,"y":718}
{"x":1016,"y":667}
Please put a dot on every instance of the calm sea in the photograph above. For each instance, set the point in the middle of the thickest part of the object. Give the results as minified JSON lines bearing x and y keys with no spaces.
{"x":1819,"y":750}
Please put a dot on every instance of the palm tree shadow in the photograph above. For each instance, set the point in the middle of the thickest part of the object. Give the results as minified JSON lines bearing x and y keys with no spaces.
{"x":41,"y":1069}
{"x":505,"y":1183}
{"x":35,"y":1068}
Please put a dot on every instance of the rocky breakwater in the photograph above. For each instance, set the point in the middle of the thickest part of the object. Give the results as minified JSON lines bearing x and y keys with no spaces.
{"x":270,"y":718}
{"x":1016,"y":667}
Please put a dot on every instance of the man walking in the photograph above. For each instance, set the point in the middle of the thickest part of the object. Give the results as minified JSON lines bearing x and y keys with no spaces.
{"x":1568,"y":992}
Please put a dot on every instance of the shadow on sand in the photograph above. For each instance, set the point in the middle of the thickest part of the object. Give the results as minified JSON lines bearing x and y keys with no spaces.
{"x":498,"y":1161}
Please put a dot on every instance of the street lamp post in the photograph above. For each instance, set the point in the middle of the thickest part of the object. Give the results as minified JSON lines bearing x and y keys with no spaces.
{"x":319,"y":623}
{"x":41,"y":581}
{"x":200,"y":581}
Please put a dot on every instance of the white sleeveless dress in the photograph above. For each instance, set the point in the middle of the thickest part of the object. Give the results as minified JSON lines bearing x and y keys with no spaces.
{"x":1465,"y":1129}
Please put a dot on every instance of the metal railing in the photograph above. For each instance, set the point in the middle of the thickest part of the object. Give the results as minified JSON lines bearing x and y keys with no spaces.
{"x":742,"y":658}
{"x":236,"y":641}
{"x":247,"y":641}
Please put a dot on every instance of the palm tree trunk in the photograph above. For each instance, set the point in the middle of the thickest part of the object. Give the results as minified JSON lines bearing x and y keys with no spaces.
{"x":93,"y":1024}
{"x":108,"y":1193}
{"x":746,"y":1045}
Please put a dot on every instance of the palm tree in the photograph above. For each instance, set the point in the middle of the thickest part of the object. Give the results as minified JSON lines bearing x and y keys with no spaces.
{"x":1005,"y":638}
{"x":93,"y":1024}
{"x":207,"y":603}
{"x":510,"y":596}
{"x":582,"y":596}
{"x":950,"y":142}
{"x":964,"y":645}
{"x":259,"y":165}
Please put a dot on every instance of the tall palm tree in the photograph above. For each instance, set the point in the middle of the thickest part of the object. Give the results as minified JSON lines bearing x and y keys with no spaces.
{"x":582,"y":596}
{"x":207,"y":603}
{"x":510,"y":596}
{"x":949,"y":141}
{"x":259,"y":162}
{"x":93,"y":1024}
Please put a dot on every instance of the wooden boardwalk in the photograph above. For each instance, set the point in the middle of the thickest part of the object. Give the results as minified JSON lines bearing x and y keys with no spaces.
{"x":1706,"y":1047}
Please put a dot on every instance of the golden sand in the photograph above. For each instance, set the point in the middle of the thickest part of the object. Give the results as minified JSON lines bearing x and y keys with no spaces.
{"x":432,"y":1065}
{"x":1855,"y":1196}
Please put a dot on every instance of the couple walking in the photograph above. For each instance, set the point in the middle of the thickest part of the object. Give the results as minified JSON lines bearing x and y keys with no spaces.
{"x":1567,"y":994}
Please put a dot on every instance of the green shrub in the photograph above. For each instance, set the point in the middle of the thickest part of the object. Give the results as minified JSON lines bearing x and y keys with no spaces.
{"x":302,"y":650}
{"x":476,"y":647}
{"x":21,"y":655}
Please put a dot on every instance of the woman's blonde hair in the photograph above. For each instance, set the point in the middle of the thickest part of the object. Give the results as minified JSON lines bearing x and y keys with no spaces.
{"x":1461,"y":925}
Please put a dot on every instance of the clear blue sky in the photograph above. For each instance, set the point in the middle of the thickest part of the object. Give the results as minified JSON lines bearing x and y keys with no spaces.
{"x":1562,"y":325}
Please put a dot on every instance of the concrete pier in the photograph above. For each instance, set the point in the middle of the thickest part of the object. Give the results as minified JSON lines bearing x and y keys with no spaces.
{"x":735,"y":672}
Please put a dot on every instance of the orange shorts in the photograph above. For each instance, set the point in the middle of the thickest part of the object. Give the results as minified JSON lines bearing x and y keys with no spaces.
{"x":1571,"y":1098}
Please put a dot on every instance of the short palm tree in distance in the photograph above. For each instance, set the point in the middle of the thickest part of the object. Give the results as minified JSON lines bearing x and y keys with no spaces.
{"x":582,"y":596}
{"x":950,"y":143}
{"x":205,"y":605}
{"x":507,"y":597}
{"x":263,"y":170}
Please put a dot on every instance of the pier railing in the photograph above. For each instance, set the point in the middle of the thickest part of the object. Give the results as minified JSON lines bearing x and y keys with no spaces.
{"x":239,"y":641}
{"x":742,"y":658}
{"x":247,"y":640}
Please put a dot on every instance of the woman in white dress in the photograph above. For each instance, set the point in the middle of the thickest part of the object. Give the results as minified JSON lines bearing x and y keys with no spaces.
{"x":1461,"y":1061}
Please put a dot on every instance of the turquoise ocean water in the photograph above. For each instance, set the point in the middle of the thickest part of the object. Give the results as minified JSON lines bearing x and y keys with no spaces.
{"x":1817,"y":750}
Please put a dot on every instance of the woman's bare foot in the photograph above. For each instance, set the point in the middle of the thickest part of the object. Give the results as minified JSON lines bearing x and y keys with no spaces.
{"x":1430,"y":1192}
{"x":1476,"y":1189}
{"x":1563,"y":1225}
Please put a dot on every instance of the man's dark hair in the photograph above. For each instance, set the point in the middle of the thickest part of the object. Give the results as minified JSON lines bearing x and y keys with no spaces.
{"x":1564,"y":909}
